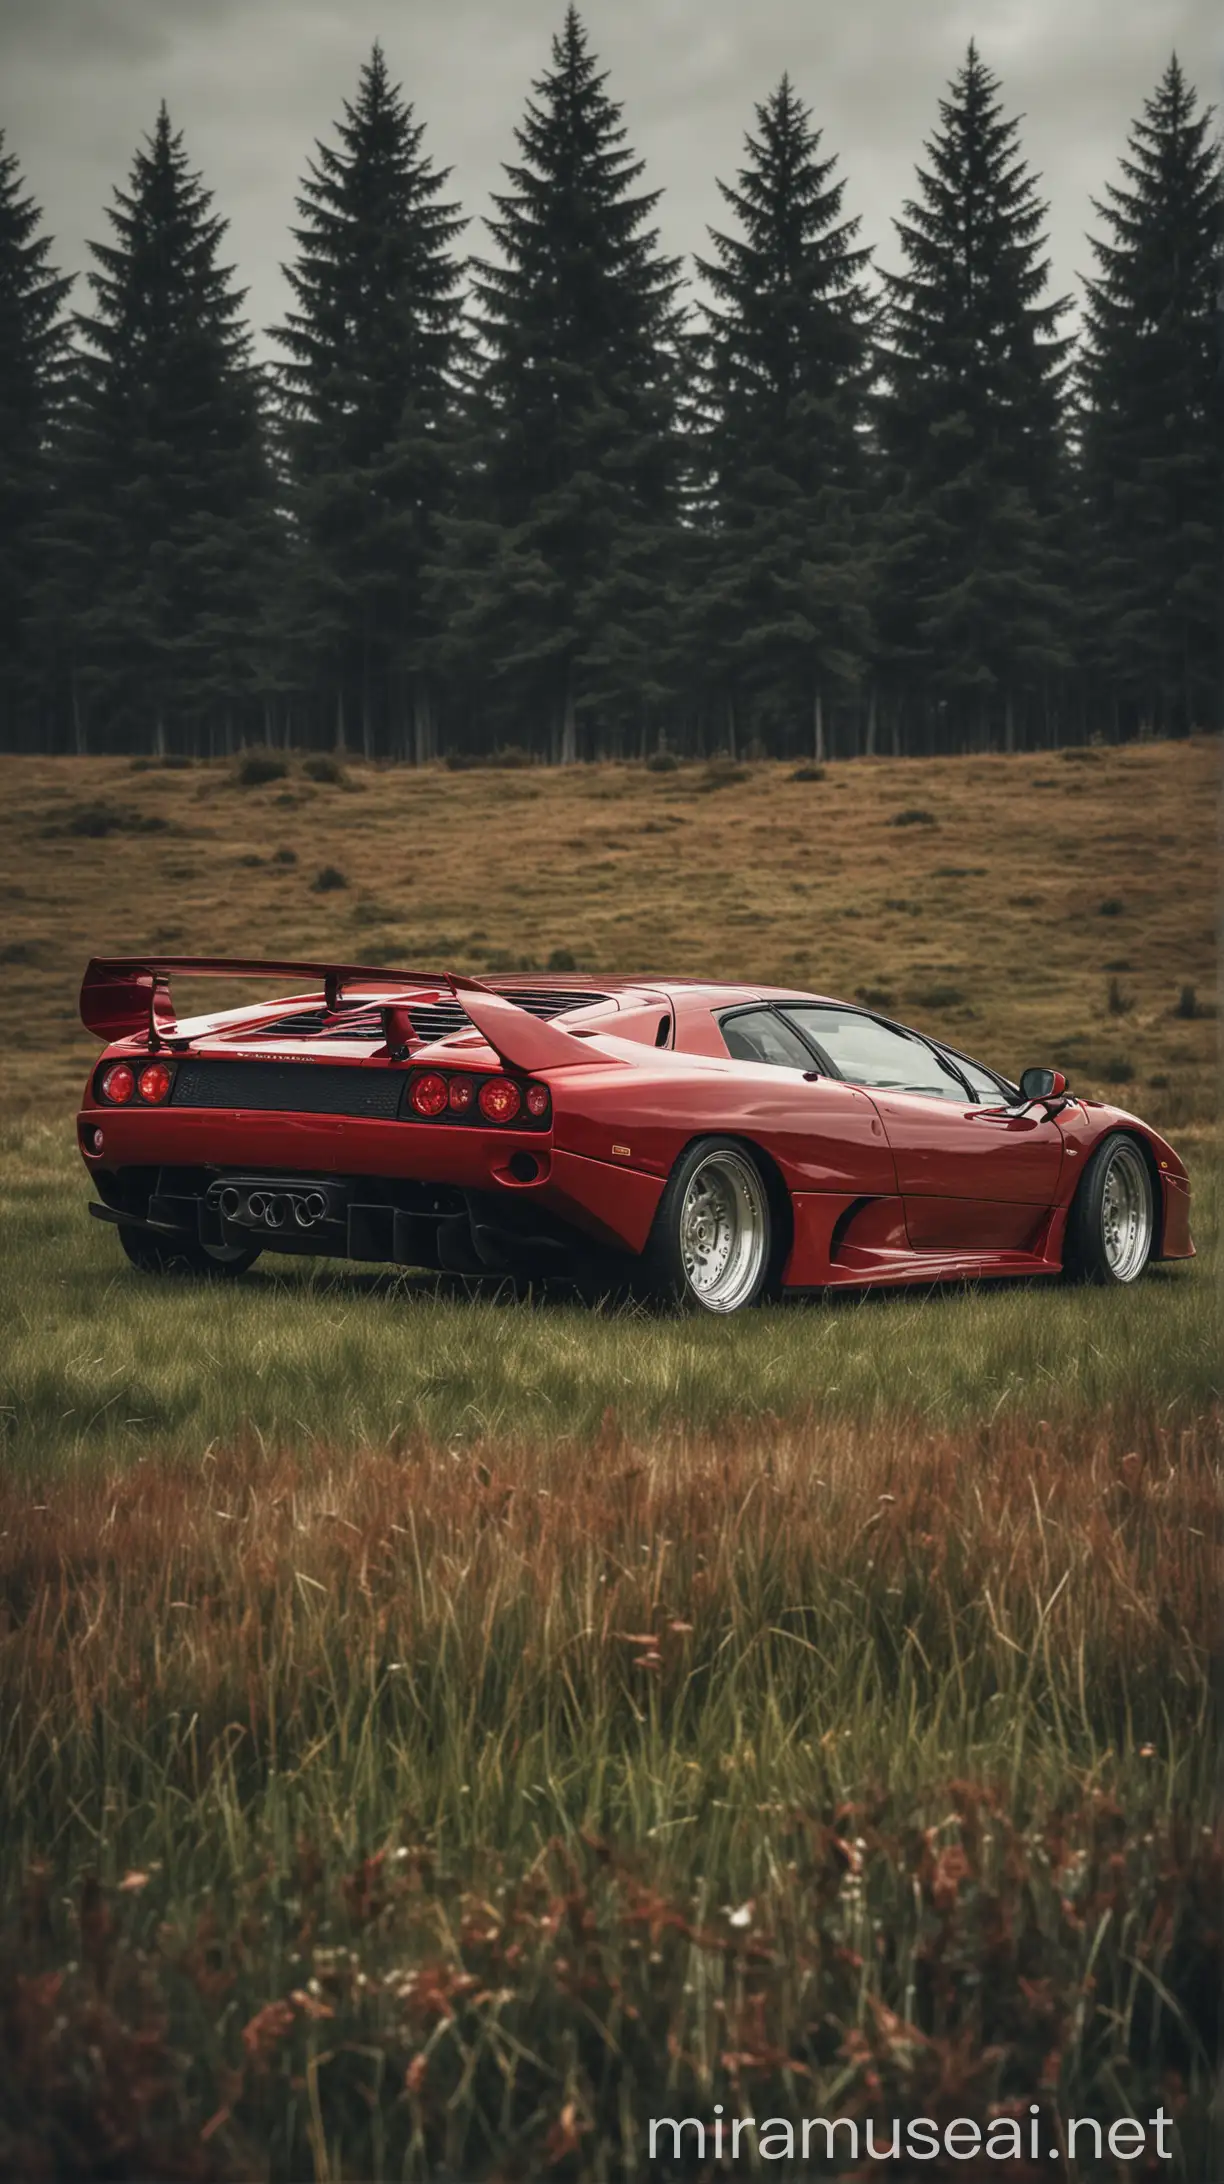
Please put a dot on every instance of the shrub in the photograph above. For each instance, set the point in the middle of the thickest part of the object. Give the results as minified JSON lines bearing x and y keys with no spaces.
{"x":562,"y":959}
{"x":509,"y":757}
{"x":874,"y":997}
{"x":1120,"y":963}
{"x":1187,"y":1004}
{"x":328,"y":880}
{"x":965,"y":872}
{"x":1112,"y":907}
{"x":1120,"y":1004}
{"x":255,"y":769}
{"x":808,"y":773}
{"x":662,"y":762}
{"x":321,"y":766}
{"x":1118,"y":1070}
{"x":937,"y":997}
{"x":721,"y":773}
{"x":98,"y":819}
{"x":250,"y":860}
{"x":176,"y":762}
{"x":368,"y":912}
{"x":913,"y":817}
{"x":1081,"y":754}
{"x":284,"y":856}
{"x":1159,"y":1084}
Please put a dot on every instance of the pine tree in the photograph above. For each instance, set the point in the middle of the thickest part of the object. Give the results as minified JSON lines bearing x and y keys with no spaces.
{"x":778,"y":430}
{"x":556,"y":577}
{"x":969,"y":422}
{"x":165,"y":530}
{"x":32,"y":344}
{"x":368,"y":392}
{"x":1153,"y":422}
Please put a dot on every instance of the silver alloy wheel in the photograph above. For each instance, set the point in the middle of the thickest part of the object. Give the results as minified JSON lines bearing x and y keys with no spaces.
{"x":724,"y":1231}
{"x":1126,"y":1212}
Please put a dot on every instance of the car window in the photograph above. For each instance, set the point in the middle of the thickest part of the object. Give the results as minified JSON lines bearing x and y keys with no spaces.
{"x":757,"y":1035}
{"x":867,"y":1052}
{"x":985,"y":1088}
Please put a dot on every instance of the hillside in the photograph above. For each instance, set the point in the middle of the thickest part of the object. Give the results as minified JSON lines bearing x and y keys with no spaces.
{"x":1031,"y":908}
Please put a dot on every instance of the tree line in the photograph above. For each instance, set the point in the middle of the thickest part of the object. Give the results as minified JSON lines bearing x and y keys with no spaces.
{"x":532,"y":501}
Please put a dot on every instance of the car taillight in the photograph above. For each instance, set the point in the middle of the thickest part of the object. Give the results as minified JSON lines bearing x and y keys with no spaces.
{"x":118,"y":1085}
{"x":155,"y":1083}
{"x":430,"y":1093}
{"x":500,"y":1099}
{"x":462,"y":1095}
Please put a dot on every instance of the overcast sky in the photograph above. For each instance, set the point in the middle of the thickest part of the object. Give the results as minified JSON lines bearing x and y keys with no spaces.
{"x":253,"y":82}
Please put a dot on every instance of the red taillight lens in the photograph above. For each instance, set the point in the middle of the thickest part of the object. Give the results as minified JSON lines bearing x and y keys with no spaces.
{"x":429,"y":1093}
{"x":462,"y":1093}
{"x":155,"y":1083}
{"x":118,"y":1085}
{"x":537,"y":1100}
{"x":500,"y":1099}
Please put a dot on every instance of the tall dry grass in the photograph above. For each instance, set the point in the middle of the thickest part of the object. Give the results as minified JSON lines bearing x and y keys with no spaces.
{"x":457,"y":1805}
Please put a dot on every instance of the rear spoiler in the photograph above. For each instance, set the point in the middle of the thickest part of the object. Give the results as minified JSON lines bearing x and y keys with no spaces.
{"x":519,"y":1040}
{"x":124,"y":996}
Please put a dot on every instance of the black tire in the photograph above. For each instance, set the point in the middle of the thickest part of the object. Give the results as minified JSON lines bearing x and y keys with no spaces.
{"x":157,"y":1255}
{"x":1111,"y":1228}
{"x":716,"y":1187}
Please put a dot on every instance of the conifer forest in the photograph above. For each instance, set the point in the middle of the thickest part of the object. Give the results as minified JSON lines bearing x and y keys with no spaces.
{"x":528,"y":486}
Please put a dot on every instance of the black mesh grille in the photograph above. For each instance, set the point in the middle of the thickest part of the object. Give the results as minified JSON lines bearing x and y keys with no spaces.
{"x":302,"y":1088}
{"x":429,"y":1019}
{"x":437,"y":1019}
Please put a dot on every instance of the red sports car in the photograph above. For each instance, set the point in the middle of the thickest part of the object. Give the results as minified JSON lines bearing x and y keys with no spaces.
{"x":710,"y":1143}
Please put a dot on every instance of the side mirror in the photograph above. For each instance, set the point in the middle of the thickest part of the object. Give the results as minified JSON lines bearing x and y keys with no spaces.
{"x":1042,"y":1084}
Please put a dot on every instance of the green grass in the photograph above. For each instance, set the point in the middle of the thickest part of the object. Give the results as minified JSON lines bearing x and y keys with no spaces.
{"x":103,"y":1362}
{"x":439,"y":1732}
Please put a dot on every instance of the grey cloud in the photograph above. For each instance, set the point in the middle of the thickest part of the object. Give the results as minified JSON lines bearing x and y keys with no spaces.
{"x":254,"y":82}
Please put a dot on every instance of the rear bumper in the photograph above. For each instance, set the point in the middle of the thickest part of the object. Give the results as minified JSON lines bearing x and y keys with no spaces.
{"x":459,"y":1153}
{"x":389,"y":1184}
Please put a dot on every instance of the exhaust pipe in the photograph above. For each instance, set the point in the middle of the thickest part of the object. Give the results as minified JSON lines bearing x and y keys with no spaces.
{"x":230,"y":1202}
{"x":274,"y":1210}
{"x":257,"y":1206}
{"x":308,"y":1210}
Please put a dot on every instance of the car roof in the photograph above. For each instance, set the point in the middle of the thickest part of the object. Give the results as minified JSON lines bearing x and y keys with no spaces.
{"x":699,"y":992}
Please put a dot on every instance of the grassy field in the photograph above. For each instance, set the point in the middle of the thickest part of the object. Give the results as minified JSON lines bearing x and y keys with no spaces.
{"x":1040,"y":909}
{"x":439,"y":1733}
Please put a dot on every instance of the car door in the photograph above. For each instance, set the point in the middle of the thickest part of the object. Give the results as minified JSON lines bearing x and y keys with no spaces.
{"x":970,"y":1180}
